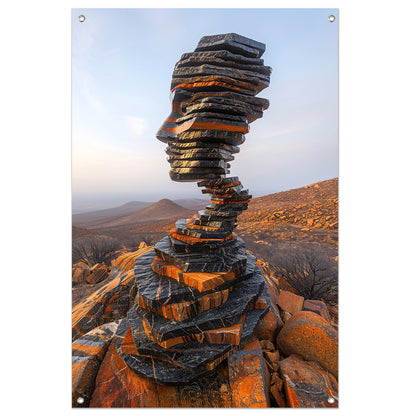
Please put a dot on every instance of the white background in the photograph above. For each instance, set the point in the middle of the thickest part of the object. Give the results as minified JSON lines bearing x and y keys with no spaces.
{"x":377,"y":216}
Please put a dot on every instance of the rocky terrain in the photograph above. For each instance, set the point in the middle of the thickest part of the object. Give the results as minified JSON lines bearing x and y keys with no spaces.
{"x":291,"y":361}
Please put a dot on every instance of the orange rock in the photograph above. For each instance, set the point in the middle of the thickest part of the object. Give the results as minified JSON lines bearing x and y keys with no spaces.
{"x":277,"y":396}
{"x":317,"y":306}
{"x":79,"y":273}
{"x":266,"y":328}
{"x":247,"y":376}
{"x":97,"y":275}
{"x":267,"y":345}
{"x":307,"y":385}
{"x":272,"y":359}
{"x":290,"y":302}
{"x":312,"y":337}
{"x":117,"y":385}
{"x":87,"y":354}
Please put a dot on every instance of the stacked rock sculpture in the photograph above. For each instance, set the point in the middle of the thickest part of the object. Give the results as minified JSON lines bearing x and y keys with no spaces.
{"x":200,"y":293}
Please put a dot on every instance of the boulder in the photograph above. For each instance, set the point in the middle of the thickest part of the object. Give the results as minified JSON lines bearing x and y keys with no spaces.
{"x":79,"y":273}
{"x":318,"y":307}
{"x":312,"y":337}
{"x":268,"y":327}
{"x":289,"y":302}
{"x":306,"y":384}
{"x":99,"y":272}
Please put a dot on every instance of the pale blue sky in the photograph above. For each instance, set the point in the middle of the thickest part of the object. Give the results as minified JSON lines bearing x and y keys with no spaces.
{"x":122,"y":62}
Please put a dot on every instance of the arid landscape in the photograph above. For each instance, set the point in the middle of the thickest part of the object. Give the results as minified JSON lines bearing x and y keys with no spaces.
{"x":293,"y":234}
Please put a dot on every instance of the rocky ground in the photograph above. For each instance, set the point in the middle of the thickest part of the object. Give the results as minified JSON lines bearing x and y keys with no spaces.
{"x":292,"y":361}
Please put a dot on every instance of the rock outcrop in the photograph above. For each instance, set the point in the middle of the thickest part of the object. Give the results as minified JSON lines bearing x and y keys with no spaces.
{"x":312,"y":337}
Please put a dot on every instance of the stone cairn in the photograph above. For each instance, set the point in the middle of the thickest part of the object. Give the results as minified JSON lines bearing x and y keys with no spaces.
{"x":200,"y":294}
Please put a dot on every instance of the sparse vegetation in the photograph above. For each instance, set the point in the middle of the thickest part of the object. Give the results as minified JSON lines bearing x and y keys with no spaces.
{"x":311,"y":273}
{"x":94,"y":249}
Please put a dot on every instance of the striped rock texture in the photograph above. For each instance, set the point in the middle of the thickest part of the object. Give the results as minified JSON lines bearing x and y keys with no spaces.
{"x":199,"y":294}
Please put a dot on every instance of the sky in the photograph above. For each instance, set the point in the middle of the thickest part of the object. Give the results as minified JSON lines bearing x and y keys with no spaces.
{"x":122,"y":63}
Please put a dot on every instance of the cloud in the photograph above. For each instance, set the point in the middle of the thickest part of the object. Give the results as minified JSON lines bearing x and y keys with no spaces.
{"x":137,"y":124}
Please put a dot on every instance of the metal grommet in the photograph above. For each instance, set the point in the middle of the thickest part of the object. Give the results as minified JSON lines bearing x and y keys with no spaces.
{"x":80,"y":400}
{"x":331,"y":18}
{"x":81,"y":18}
{"x":331,"y":400}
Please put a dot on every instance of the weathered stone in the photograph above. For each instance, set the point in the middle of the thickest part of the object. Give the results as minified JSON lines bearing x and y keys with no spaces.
{"x":110,"y":302}
{"x":290,"y":302}
{"x":276,"y":390}
{"x":79,"y":273}
{"x":312,"y":337}
{"x":317,"y":306}
{"x":87,"y":354}
{"x":247,"y":375}
{"x":267,"y":345}
{"x":286,"y":316}
{"x":243,"y":295}
{"x":272,"y":358}
{"x":98,"y":273}
{"x":233,"y":258}
{"x":267,"y":327}
{"x":306,"y":384}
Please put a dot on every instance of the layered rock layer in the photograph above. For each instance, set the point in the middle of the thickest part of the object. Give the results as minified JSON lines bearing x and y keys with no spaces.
{"x":200,"y":294}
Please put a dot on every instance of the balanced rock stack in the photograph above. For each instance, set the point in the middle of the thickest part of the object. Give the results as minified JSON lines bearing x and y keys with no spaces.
{"x":200,"y":294}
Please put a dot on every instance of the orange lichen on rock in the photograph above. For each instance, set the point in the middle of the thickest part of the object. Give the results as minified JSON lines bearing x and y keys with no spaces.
{"x":117,"y":385}
{"x":307,"y":385}
{"x":247,"y":376}
{"x":312,"y":337}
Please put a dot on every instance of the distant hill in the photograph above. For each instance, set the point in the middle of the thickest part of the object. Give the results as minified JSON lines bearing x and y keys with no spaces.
{"x":90,"y":218}
{"x":193,"y":203}
{"x":94,"y":218}
{"x":162,"y":210}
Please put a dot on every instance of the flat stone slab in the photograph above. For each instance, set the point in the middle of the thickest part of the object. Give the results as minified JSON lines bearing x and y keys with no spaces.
{"x":158,"y":290}
{"x":229,"y":43}
{"x":233,"y":138}
{"x":234,"y":257}
{"x":207,"y":247}
{"x":198,"y":154}
{"x":197,"y":57}
{"x":199,"y":231}
{"x":230,"y":71}
{"x":241,"y":298}
{"x":181,"y":364}
{"x":232,"y":37}
{"x":203,"y":282}
{"x":202,"y":144}
{"x":203,"y":82}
